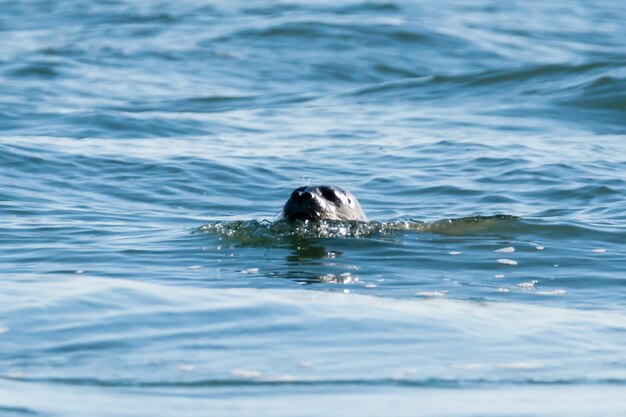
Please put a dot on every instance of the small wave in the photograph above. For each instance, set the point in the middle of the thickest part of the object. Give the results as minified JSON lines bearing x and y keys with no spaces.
{"x":44,"y":70}
{"x":16,"y":411}
{"x":259,"y":380}
{"x":526,"y":80}
{"x":264,"y":231}
{"x":603,"y":92}
{"x":268,"y":233}
{"x":214,"y":104}
{"x":332,"y":29}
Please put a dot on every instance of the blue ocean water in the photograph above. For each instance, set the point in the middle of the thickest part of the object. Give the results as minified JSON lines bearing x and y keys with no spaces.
{"x":146,"y":148}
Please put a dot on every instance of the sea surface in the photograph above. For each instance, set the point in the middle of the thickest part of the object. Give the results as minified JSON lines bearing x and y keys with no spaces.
{"x":147,"y":148}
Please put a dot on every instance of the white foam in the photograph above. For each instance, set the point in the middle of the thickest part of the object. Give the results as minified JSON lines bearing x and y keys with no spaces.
{"x":507,"y":262}
{"x":553,"y":292}
{"x":246,"y":373}
{"x":509,"y":249}
{"x":330,"y":278}
{"x":186,"y":368}
{"x":347,"y":278}
{"x":431,"y":293}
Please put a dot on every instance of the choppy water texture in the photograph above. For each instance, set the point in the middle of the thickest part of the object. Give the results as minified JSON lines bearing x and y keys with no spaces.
{"x":147,"y":146}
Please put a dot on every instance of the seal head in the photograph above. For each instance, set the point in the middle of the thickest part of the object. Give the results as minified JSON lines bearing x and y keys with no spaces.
{"x":322,"y":202}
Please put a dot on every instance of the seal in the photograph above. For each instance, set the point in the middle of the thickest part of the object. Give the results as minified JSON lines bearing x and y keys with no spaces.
{"x":322,"y":202}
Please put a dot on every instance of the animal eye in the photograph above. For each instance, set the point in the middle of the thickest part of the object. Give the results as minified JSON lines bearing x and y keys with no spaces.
{"x":328,"y":194}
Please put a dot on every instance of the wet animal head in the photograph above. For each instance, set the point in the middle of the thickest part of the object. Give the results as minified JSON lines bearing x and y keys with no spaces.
{"x":322,"y":202}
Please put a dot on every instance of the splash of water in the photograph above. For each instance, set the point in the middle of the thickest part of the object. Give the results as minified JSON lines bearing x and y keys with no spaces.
{"x":264,"y":231}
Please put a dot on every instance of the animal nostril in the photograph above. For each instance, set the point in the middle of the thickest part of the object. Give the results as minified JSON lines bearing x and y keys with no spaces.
{"x":300,"y":196}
